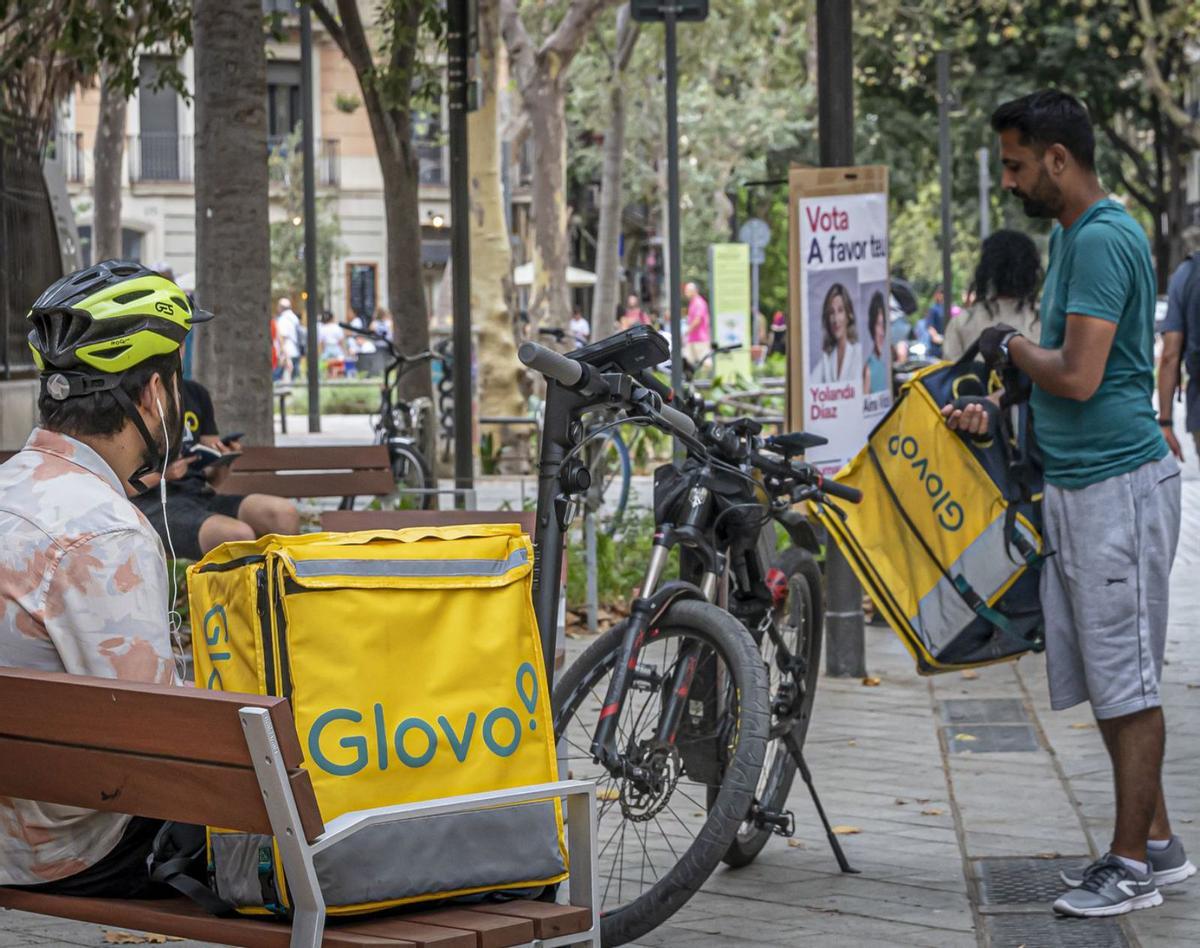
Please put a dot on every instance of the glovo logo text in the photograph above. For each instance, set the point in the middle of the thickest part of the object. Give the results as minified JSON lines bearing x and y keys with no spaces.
{"x":344,"y":741}
{"x":949,"y":512}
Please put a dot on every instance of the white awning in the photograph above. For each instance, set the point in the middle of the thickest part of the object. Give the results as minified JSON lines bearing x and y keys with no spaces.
{"x":523,"y":276}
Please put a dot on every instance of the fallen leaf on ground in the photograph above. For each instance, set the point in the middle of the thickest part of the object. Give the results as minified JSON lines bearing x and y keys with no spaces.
{"x":923,"y":799}
{"x":900,"y":802}
{"x":1185,"y":820}
{"x":796,"y":843}
{"x":970,"y":674}
{"x":966,"y":738}
{"x":1047,"y":855}
{"x":932,"y":811}
{"x":697,"y":814}
{"x":852,"y":743}
{"x":608,"y":793}
{"x":128,"y":938}
{"x":843,"y":830}
{"x":1083,"y":726}
{"x":872,"y":682}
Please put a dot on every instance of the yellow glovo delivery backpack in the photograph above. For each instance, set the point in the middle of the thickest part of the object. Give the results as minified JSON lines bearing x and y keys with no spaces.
{"x":947,"y":540}
{"x":413,"y":666}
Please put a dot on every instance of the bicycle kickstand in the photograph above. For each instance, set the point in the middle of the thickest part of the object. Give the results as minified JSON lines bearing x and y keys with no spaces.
{"x":806,"y":774}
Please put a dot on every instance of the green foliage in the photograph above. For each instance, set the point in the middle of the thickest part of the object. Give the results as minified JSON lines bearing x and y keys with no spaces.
{"x":286,"y":167}
{"x":622,"y":556}
{"x":410,"y":52}
{"x":47,"y":46}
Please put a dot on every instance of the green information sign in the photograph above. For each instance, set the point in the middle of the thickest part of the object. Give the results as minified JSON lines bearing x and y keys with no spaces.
{"x":729,"y":268}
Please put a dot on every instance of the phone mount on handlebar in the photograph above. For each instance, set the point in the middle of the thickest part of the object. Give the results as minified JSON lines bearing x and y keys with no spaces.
{"x":630,"y":351}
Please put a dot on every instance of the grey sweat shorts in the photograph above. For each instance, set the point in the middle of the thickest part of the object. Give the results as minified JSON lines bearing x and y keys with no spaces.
{"x":1106,"y":588}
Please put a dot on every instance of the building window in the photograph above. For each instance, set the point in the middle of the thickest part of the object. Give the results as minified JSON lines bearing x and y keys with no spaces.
{"x":427,"y":136}
{"x":131,"y":245}
{"x":361,"y":281}
{"x":283,"y":100}
{"x":158,"y":116}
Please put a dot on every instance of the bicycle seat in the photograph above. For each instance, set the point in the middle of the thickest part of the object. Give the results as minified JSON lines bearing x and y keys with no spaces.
{"x":795,"y":442}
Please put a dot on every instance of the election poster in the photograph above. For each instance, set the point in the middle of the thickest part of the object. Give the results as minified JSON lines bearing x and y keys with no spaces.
{"x":839,"y":356}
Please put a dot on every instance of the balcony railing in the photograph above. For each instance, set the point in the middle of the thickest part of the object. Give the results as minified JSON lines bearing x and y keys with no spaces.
{"x":67,"y":149}
{"x":328,"y":161}
{"x":159,"y":156}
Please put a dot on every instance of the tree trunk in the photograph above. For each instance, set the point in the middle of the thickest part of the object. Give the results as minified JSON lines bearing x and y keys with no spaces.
{"x":233,"y":352}
{"x":608,"y":258}
{"x":550,"y":295}
{"x":406,"y":281}
{"x":106,"y":157}
{"x":491,"y":260}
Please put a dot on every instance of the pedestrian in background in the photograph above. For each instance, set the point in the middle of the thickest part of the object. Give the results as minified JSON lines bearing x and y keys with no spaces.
{"x":697,"y":339}
{"x":1181,"y":344}
{"x":1004,"y":290}
{"x":1111,"y":505}
{"x":287,"y":328}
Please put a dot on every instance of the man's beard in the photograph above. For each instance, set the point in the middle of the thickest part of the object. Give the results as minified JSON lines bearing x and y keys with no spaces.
{"x":1044,"y":202}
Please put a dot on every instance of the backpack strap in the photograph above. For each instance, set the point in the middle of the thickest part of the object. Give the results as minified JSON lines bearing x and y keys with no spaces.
{"x":178,"y":849}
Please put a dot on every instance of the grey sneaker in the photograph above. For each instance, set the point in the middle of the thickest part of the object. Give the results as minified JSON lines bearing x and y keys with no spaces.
{"x":1109,"y":887}
{"x":1170,"y":865}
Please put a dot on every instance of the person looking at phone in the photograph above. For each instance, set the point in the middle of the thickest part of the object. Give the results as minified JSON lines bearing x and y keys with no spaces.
{"x":199,"y":518}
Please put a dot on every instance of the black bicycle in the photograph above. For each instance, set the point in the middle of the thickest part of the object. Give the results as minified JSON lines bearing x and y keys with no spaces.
{"x":672,"y":711}
{"x":408,"y":429}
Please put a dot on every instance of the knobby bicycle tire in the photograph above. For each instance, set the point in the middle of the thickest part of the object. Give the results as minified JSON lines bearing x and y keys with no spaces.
{"x":408,"y":461}
{"x":779,"y":767}
{"x":577,"y":688}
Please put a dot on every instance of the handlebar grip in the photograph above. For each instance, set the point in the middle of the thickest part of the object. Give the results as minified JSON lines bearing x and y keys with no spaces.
{"x":678,"y":420}
{"x":551,"y":364}
{"x":834,"y":489}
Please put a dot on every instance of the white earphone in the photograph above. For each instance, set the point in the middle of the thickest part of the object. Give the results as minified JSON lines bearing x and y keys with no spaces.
{"x":174,"y":620}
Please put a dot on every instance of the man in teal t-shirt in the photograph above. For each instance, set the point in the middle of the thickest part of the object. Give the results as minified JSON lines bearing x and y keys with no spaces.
{"x":1112,"y":498}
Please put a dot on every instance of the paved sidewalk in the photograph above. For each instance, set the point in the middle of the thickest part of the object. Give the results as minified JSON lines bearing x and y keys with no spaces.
{"x":936,"y":830}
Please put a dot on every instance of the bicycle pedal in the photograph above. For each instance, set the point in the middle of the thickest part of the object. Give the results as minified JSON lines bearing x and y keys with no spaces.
{"x":781,"y":823}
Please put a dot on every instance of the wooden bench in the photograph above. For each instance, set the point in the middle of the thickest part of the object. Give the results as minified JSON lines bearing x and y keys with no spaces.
{"x":5,"y":455}
{"x":283,"y":394}
{"x":234,"y":760}
{"x":344,"y":470}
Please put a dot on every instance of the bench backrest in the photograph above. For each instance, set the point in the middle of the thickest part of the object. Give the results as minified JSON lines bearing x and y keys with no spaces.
{"x":347,"y":521}
{"x":157,"y":751}
{"x":325,"y":471}
{"x":5,"y":455}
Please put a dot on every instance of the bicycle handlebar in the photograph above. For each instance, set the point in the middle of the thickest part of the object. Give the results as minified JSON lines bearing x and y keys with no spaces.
{"x":580,"y":377}
{"x":551,"y":364}
{"x":834,"y":489}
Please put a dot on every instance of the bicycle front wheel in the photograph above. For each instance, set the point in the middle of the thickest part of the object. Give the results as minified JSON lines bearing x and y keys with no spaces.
{"x":413,"y":478}
{"x":657,"y":846}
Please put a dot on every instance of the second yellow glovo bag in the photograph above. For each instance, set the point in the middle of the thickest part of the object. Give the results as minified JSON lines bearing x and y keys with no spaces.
{"x":414,"y":669}
{"x":947,"y":540}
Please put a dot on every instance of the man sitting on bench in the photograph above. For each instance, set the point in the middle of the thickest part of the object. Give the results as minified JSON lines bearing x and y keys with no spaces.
{"x":199,"y":518}
{"x":83,"y":578}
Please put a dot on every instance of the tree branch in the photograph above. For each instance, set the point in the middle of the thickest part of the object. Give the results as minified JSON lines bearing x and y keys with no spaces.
{"x":520,"y":46}
{"x":1145,"y":172}
{"x":1139,"y":195}
{"x":1178,"y":116}
{"x":562,"y":45}
{"x":628,"y":30}
{"x":332,"y":27}
{"x":357,"y":49}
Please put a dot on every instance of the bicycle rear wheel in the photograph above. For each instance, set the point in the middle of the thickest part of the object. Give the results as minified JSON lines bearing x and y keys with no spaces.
{"x":656,"y":848}
{"x":798,"y":620}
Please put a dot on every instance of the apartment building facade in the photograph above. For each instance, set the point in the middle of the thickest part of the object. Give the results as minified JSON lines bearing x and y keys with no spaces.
{"x":158,"y":192}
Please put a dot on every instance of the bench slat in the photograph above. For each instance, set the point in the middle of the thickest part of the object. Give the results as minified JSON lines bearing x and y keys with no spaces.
{"x":424,"y":936}
{"x":329,"y":484}
{"x":347,"y":521}
{"x":158,"y":787}
{"x":187,"y":920}
{"x":549,"y":920}
{"x":317,"y":458}
{"x":200,"y":725}
{"x":491,"y":930}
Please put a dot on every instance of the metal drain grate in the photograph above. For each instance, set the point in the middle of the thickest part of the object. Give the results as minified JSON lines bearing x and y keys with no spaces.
{"x":990,"y":738}
{"x":1021,"y":880}
{"x":984,"y":711}
{"x":1040,"y":931}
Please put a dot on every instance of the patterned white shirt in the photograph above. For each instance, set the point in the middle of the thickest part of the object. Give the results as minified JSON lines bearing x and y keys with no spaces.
{"x":83,"y":590}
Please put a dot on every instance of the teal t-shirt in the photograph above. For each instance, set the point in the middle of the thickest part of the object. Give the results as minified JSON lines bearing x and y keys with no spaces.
{"x":1101,"y":267}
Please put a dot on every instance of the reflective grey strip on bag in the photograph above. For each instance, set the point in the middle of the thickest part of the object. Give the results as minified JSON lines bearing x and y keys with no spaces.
{"x":506,"y":846}
{"x":404,"y":569}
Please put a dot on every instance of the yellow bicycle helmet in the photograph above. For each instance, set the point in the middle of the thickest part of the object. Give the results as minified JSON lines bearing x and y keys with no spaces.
{"x":108,"y":318}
